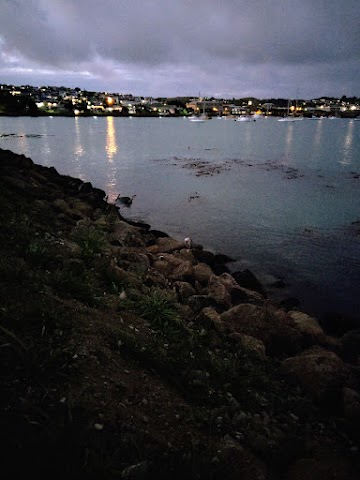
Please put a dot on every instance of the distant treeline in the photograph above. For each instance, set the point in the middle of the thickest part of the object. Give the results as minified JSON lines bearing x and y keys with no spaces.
{"x":17,"y":105}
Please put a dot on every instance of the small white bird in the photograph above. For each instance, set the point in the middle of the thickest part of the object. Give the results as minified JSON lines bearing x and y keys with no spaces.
{"x":188,"y":242}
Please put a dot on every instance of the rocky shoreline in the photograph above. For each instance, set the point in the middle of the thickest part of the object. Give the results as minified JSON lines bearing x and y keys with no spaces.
{"x":126,"y":354}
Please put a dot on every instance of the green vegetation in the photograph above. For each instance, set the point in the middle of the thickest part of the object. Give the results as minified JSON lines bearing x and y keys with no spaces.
{"x":158,"y":308}
{"x":90,"y":239}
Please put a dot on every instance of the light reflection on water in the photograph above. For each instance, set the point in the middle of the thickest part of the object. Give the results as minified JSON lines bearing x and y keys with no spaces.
{"x":294,"y":228}
{"x":318,"y":132}
{"x":112,"y":150}
{"x":111,"y":145}
{"x":348,"y":139}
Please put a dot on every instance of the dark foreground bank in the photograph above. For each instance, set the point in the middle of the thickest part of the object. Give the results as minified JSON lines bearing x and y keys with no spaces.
{"x":125,"y":354}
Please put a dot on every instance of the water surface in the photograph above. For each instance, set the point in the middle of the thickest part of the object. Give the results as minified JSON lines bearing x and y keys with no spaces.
{"x":278,"y":197}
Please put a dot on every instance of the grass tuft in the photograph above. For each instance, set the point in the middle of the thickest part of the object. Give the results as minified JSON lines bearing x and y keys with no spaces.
{"x":158,"y":309}
{"x":90,"y":240}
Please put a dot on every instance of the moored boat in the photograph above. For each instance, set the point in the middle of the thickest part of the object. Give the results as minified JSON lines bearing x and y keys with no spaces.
{"x":245,"y":118}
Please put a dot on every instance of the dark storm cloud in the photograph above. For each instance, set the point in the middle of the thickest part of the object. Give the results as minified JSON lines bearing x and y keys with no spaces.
{"x":231,"y":47}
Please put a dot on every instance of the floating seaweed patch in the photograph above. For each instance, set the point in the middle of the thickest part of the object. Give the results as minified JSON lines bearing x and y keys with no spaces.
{"x":194,"y":196}
{"x":25,"y":135}
{"x":354,"y":175}
{"x":203,"y":167}
{"x":289,"y":173}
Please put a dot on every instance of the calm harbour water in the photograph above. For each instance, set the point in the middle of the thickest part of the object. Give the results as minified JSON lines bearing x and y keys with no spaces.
{"x":278,"y":197}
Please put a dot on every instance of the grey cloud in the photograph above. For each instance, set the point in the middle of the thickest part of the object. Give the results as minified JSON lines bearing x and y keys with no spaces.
{"x":237,"y":42}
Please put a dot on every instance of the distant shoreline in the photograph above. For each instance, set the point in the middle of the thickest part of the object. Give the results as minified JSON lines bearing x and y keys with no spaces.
{"x":90,"y":115}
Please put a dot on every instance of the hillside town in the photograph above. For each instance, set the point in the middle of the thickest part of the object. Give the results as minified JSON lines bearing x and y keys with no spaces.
{"x":64,"y":101}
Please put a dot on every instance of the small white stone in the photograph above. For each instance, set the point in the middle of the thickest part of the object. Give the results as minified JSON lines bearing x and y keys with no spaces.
{"x":98,"y":426}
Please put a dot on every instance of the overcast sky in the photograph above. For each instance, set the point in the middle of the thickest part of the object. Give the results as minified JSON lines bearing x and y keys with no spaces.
{"x":221,"y":48}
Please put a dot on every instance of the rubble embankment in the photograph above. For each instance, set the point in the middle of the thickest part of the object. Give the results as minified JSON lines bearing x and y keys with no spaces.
{"x":127,"y":354}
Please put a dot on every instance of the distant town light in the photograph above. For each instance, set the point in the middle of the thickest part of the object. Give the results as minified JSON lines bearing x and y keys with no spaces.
{"x":109,"y":100}
{"x":76,"y":111}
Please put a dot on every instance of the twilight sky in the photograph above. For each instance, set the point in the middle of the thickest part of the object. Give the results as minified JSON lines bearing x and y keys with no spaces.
{"x":221,"y":48}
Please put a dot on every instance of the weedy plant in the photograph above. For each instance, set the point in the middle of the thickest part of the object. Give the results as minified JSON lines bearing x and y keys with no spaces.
{"x":158,"y":308}
{"x":36,"y":252}
{"x":35,"y":249}
{"x":90,"y":240}
{"x":80,"y":285}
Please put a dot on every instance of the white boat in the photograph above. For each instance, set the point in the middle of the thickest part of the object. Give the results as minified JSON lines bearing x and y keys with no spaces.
{"x":245,"y":118}
{"x":195,"y":118}
{"x":288,"y":117}
{"x":199,"y":118}
{"x":357,"y":118}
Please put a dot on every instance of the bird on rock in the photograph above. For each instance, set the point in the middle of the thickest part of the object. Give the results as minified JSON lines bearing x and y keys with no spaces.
{"x":188,"y":242}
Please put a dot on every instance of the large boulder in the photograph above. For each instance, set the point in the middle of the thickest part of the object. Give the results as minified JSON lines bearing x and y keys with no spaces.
{"x":309,"y":328}
{"x":165,"y":245}
{"x":121,"y":276}
{"x":126,"y":234}
{"x":271,"y":326}
{"x":173,"y":266}
{"x":239,"y":294}
{"x":217,"y":262}
{"x":223,"y":290}
{"x":233,"y":462}
{"x":246,"y":279}
{"x":202,"y":273}
{"x":184,"y":290}
{"x":218,"y":291}
{"x":198,"y":302}
{"x":183,"y":272}
{"x":210,"y":318}
{"x":251,"y":344}
{"x":320,"y":372}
